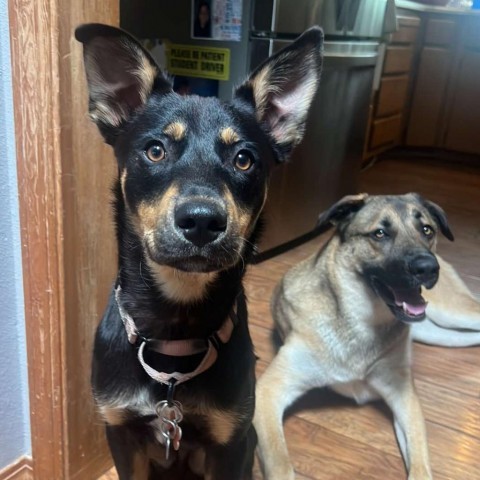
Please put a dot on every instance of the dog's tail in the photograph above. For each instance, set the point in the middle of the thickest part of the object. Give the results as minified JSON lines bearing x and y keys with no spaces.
{"x":453,"y":313}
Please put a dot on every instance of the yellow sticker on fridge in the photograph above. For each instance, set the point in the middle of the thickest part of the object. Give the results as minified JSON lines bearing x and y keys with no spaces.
{"x":197,"y":61}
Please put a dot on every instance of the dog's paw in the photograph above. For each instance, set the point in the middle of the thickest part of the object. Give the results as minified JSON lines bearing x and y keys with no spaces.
{"x":279,"y":473}
{"x":420,"y":474}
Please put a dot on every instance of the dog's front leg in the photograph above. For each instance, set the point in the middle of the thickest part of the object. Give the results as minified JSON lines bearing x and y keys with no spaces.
{"x":396,"y":387}
{"x":130,"y":461}
{"x":233,"y":461}
{"x":292,"y":372}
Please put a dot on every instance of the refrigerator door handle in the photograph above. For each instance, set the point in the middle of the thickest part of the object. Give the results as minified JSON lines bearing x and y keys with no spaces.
{"x":359,"y":60}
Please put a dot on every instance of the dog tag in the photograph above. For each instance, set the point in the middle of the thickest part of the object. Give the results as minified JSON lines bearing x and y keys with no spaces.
{"x":176,"y":439}
{"x":170,"y":417}
{"x":167,"y":448}
{"x":170,"y":413}
{"x":169,"y":431}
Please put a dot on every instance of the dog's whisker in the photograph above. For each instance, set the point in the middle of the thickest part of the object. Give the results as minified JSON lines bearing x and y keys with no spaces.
{"x":248,"y":242}
{"x":239,"y":254}
{"x":236,"y":253}
{"x":231,"y":255}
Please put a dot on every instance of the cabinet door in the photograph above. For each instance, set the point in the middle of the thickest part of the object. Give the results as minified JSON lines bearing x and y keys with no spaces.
{"x":386,"y":132}
{"x":429,"y":97}
{"x":392,"y":95}
{"x":398,"y":59}
{"x":464,"y":119}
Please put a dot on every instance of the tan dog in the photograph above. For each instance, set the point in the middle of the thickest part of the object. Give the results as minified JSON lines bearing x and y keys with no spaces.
{"x":345,"y":316}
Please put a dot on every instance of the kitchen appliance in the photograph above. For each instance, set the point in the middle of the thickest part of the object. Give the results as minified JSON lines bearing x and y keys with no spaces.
{"x":326,"y":165}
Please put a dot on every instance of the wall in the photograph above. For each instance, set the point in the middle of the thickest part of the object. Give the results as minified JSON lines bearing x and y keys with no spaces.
{"x":14,"y":407}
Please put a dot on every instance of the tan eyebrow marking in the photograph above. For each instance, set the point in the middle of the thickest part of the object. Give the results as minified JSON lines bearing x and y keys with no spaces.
{"x":229,"y":136}
{"x":175,"y":130}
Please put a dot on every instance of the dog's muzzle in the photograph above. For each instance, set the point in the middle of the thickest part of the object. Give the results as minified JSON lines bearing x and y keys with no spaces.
{"x":402,"y":291}
{"x":197,"y":236}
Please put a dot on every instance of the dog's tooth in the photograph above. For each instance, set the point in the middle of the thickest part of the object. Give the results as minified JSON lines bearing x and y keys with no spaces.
{"x":404,"y":305}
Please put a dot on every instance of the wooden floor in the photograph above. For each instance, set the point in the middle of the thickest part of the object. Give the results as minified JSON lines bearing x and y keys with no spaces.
{"x":330,"y":437}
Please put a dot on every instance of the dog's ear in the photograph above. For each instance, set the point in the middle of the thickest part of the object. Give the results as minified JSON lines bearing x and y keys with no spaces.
{"x":282,"y":89}
{"x":340,"y":211}
{"x":120,"y":75}
{"x":438,"y":215}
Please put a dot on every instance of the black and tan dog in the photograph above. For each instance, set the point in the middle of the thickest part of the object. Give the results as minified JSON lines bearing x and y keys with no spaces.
{"x":173,"y":368}
{"x":345,"y":315}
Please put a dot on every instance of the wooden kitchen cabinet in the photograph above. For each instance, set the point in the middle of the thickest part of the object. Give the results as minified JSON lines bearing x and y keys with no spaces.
{"x":434,"y":73}
{"x":428,"y":94}
{"x":392,"y":95}
{"x":445,"y":105}
{"x":440,"y":32}
{"x":429,"y":97}
{"x":463,"y":127}
{"x":390,"y":100}
{"x":463,"y":119}
{"x":397,"y":59}
{"x":385,"y":131}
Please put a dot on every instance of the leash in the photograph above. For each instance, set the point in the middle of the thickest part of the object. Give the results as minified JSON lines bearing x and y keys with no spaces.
{"x":170,"y":411}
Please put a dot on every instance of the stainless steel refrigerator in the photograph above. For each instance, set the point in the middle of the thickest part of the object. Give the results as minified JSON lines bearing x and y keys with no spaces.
{"x":326,"y":165}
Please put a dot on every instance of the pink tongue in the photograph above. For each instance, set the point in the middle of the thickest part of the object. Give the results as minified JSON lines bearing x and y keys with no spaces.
{"x":411,"y":301}
{"x":414,"y":309}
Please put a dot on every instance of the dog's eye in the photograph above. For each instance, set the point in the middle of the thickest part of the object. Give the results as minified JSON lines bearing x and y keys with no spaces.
{"x":243,"y":161}
{"x":428,"y":231}
{"x":380,"y":233}
{"x":155,"y":152}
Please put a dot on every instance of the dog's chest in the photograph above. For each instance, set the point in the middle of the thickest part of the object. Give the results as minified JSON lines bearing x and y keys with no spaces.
{"x":351,"y":351}
{"x":350,"y":358}
{"x":200,"y":419}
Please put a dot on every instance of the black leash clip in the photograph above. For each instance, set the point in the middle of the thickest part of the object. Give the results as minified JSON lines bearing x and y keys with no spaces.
{"x":171,"y":392}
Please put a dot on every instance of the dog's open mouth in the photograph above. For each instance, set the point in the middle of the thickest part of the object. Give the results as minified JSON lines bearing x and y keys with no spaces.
{"x":407,"y":304}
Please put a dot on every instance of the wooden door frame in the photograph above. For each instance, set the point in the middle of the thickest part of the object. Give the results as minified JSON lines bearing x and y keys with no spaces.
{"x":36,"y":27}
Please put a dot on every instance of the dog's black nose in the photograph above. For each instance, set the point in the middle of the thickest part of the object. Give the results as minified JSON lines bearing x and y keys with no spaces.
{"x":201,"y":222}
{"x":425,"y":268}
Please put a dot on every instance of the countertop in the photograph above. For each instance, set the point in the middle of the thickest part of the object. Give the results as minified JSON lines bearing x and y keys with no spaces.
{"x":421,"y":7}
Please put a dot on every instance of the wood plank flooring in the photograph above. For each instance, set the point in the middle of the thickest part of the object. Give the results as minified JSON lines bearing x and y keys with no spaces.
{"x":331,"y":438}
